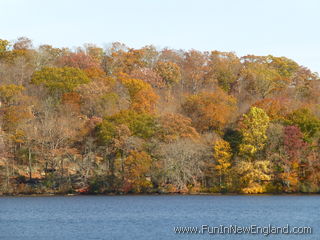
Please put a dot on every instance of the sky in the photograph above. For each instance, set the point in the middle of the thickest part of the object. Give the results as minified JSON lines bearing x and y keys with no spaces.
{"x":261,"y":27}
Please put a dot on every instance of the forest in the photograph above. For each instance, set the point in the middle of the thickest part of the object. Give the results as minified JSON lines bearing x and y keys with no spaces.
{"x":118,"y":120}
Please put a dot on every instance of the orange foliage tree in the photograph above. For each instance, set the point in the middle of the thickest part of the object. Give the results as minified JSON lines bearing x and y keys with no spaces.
{"x":210,"y":111}
{"x":142,"y":96}
{"x":175,"y":126}
{"x":136,"y":167}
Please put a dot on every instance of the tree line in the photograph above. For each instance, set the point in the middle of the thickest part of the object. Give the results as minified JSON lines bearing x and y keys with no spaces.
{"x":148,"y":120}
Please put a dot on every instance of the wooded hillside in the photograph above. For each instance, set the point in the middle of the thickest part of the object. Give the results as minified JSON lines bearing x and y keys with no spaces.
{"x":122,"y":120}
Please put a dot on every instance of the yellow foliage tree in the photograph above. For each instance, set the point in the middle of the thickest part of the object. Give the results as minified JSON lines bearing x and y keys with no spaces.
{"x":9,"y":91}
{"x":222,"y":155}
{"x":253,"y":175}
{"x":253,"y":127}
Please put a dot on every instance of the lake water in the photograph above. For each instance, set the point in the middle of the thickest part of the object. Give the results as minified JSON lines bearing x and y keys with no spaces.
{"x":153,"y":217}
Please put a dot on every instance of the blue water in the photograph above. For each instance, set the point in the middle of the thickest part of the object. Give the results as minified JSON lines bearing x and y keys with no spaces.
{"x":152,"y":217}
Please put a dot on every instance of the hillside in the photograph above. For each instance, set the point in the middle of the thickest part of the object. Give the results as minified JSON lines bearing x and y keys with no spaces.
{"x":124,"y":120}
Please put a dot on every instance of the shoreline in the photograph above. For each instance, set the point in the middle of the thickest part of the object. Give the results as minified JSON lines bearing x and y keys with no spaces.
{"x":155,"y":194}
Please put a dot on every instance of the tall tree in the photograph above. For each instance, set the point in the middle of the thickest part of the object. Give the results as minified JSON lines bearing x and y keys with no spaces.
{"x":222,"y":155}
{"x":253,"y":127}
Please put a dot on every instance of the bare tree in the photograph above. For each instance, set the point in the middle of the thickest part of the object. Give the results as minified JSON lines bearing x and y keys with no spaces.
{"x":183,"y":162}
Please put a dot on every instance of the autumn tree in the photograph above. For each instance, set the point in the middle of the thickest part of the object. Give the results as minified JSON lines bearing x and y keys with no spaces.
{"x":78,"y":60}
{"x":9,"y":92}
{"x":222,"y":155}
{"x":4,"y":48}
{"x":181,"y":164}
{"x":308,"y":123}
{"x":22,"y":43}
{"x":140,"y":124}
{"x":276,"y":108}
{"x":120,"y":58}
{"x":169,"y":72}
{"x":136,"y":167}
{"x":253,"y":172}
{"x":116,"y":152}
{"x":17,"y":66}
{"x":225,"y":68}
{"x":142,"y":96}
{"x":195,"y":71}
{"x":252,"y":177}
{"x":253,"y":127}
{"x":175,"y":126}
{"x":14,"y":114}
{"x":294,"y":146}
{"x":305,"y":85}
{"x":293,"y":143}
{"x":100,"y":98}
{"x":94,"y":51}
{"x":59,"y":80}
{"x":47,"y":56}
{"x":260,"y":81}
{"x":210,"y":111}
{"x":149,"y":76}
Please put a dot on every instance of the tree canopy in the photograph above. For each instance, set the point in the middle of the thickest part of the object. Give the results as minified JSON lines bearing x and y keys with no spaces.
{"x":149,"y":120}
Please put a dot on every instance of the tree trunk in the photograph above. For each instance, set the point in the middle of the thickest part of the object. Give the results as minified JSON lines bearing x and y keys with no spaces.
{"x":7,"y":174}
{"x":30,"y":163}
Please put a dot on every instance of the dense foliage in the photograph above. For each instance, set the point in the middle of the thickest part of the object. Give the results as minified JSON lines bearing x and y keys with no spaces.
{"x":123,"y":120}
